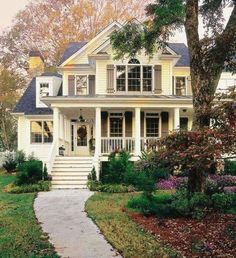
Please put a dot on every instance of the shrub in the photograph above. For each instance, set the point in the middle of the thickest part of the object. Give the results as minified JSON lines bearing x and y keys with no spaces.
{"x":221,"y":201}
{"x":41,"y":186}
{"x":45,"y":175}
{"x":118,"y":165}
{"x":230,"y":189}
{"x":230,"y":167}
{"x":29,"y":172}
{"x":172,"y":183}
{"x":9,"y":162}
{"x":93,"y":185}
{"x":20,"y":157}
{"x":92,"y":176}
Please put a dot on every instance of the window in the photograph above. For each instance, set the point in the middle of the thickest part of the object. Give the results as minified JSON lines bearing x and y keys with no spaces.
{"x":147,"y":78}
{"x":152,"y":125}
{"x":81,"y":85}
{"x":184,"y":123}
{"x":180,"y":86}
{"x":116,"y":124}
{"x":134,"y":77}
{"x":120,"y":77}
{"x":44,"y":90}
{"x":41,"y":131}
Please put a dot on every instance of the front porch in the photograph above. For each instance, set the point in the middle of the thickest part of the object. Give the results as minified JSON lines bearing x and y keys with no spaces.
{"x":99,"y":131}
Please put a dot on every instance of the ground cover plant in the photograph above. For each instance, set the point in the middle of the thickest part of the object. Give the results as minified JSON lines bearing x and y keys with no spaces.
{"x":107,"y":211}
{"x":21,"y":235}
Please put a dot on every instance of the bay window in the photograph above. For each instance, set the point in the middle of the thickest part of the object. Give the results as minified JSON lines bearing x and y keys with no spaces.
{"x":41,"y":131}
{"x":134,"y":77}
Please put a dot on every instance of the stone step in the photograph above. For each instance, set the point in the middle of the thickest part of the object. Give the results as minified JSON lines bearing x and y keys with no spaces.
{"x":70,"y":173}
{"x":69,"y":177}
{"x":73,"y":162}
{"x":68,"y":187}
{"x":69,"y":182}
{"x":74,"y":158}
{"x":55,"y":165}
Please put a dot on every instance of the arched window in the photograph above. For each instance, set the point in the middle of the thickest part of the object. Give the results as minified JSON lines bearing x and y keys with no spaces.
{"x":134,"y":61}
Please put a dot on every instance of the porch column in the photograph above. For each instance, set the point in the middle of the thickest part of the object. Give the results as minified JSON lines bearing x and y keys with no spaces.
{"x":176,"y":119}
{"x":56,"y":128}
{"x":97,"y":139}
{"x":137,"y":145}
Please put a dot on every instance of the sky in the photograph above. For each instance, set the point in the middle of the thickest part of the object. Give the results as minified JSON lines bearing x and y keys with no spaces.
{"x":9,"y":9}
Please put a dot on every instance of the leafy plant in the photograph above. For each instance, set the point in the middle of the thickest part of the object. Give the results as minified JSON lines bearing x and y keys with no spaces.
{"x":20,"y":157}
{"x":230,"y":167}
{"x":92,"y":176}
{"x":10,"y":162}
{"x":221,"y":201}
{"x":41,"y":186}
{"x":118,"y":166}
{"x":29,"y":172}
{"x":45,"y":175}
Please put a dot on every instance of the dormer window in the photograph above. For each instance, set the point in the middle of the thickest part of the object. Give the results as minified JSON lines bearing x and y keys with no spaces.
{"x":134,"y":77}
{"x":180,"y":86}
{"x":44,"y":90}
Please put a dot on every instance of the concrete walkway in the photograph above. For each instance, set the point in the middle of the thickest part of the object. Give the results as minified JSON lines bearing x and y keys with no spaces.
{"x":61,"y":214}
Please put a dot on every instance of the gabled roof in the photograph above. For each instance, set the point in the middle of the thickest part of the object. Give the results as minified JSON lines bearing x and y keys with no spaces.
{"x":182,"y":50}
{"x":27,"y":103}
{"x":71,"y":49}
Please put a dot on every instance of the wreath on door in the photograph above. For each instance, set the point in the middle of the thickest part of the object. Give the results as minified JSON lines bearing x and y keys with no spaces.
{"x":82,"y":132}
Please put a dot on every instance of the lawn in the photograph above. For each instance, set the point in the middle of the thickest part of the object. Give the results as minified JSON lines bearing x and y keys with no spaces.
{"x":125,"y":235}
{"x":20,"y":235}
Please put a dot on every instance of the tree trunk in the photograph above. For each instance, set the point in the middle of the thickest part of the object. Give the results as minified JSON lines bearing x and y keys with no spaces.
{"x":196,"y":181}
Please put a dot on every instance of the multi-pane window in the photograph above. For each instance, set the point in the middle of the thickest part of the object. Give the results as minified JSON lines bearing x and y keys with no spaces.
{"x":147,"y":78}
{"x":44,"y":89}
{"x":180,"y":86}
{"x":120,"y":77}
{"x":81,"y":85}
{"x":152,"y":125}
{"x":134,"y":77}
{"x":116,"y":124}
{"x":41,"y":131}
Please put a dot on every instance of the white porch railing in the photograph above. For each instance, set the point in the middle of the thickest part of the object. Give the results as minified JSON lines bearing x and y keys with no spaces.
{"x":111,"y":144}
{"x":149,"y":143}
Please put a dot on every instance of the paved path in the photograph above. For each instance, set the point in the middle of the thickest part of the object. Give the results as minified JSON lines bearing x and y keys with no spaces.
{"x":74,"y":235}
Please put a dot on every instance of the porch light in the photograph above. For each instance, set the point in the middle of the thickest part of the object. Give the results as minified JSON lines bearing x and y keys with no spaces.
{"x":81,"y":119}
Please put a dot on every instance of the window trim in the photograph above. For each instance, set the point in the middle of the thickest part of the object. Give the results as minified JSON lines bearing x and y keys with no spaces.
{"x":145,"y":122}
{"x":186,"y":81}
{"x":42,"y":133}
{"x":75,"y":86}
{"x":141,"y":65}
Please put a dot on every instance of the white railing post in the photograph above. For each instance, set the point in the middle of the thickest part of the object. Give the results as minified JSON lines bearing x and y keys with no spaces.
{"x":137,"y":145}
{"x":176,"y":119}
{"x":97,"y":140}
{"x":56,"y":129}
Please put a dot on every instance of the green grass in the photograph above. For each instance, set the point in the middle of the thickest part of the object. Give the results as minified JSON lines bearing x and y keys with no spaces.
{"x":128,"y":238}
{"x":20,"y":235}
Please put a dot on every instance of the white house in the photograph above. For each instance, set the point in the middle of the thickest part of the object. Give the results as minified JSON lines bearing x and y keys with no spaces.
{"x":97,"y":105}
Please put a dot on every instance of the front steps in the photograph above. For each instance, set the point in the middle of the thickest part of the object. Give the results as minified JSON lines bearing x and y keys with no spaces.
{"x":71,"y":172}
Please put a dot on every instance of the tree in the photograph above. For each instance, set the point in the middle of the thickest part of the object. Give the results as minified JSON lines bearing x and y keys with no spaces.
{"x":10,"y":86}
{"x":209,"y":55}
{"x":49,"y":25}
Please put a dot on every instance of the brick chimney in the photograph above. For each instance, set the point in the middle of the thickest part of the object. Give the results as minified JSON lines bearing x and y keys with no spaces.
{"x":36,"y":64}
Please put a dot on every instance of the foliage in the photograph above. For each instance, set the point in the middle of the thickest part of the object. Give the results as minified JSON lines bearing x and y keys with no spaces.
{"x":208,"y":55}
{"x":21,"y":235}
{"x":118,"y":166}
{"x":45,"y":175}
{"x":20,"y":157}
{"x":172,"y":183}
{"x":10,"y":162}
{"x":10,"y":84}
{"x":117,"y":227}
{"x":109,"y":188}
{"x":221,"y":201}
{"x":230,"y":167}
{"x":30,"y":172}
{"x":92,"y":176}
{"x":41,"y":186}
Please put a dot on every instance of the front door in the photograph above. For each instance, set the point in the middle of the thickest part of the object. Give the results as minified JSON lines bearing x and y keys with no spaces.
{"x":81,"y":136}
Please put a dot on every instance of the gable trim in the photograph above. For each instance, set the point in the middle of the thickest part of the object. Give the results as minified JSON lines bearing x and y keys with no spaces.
{"x":115,"y":23}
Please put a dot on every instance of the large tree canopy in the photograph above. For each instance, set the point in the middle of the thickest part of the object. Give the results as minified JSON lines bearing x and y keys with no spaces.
{"x":209,"y":55}
{"x":49,"y":25}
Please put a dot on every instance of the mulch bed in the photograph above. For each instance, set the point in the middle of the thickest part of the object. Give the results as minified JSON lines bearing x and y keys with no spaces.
{"x":213,"y":236}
